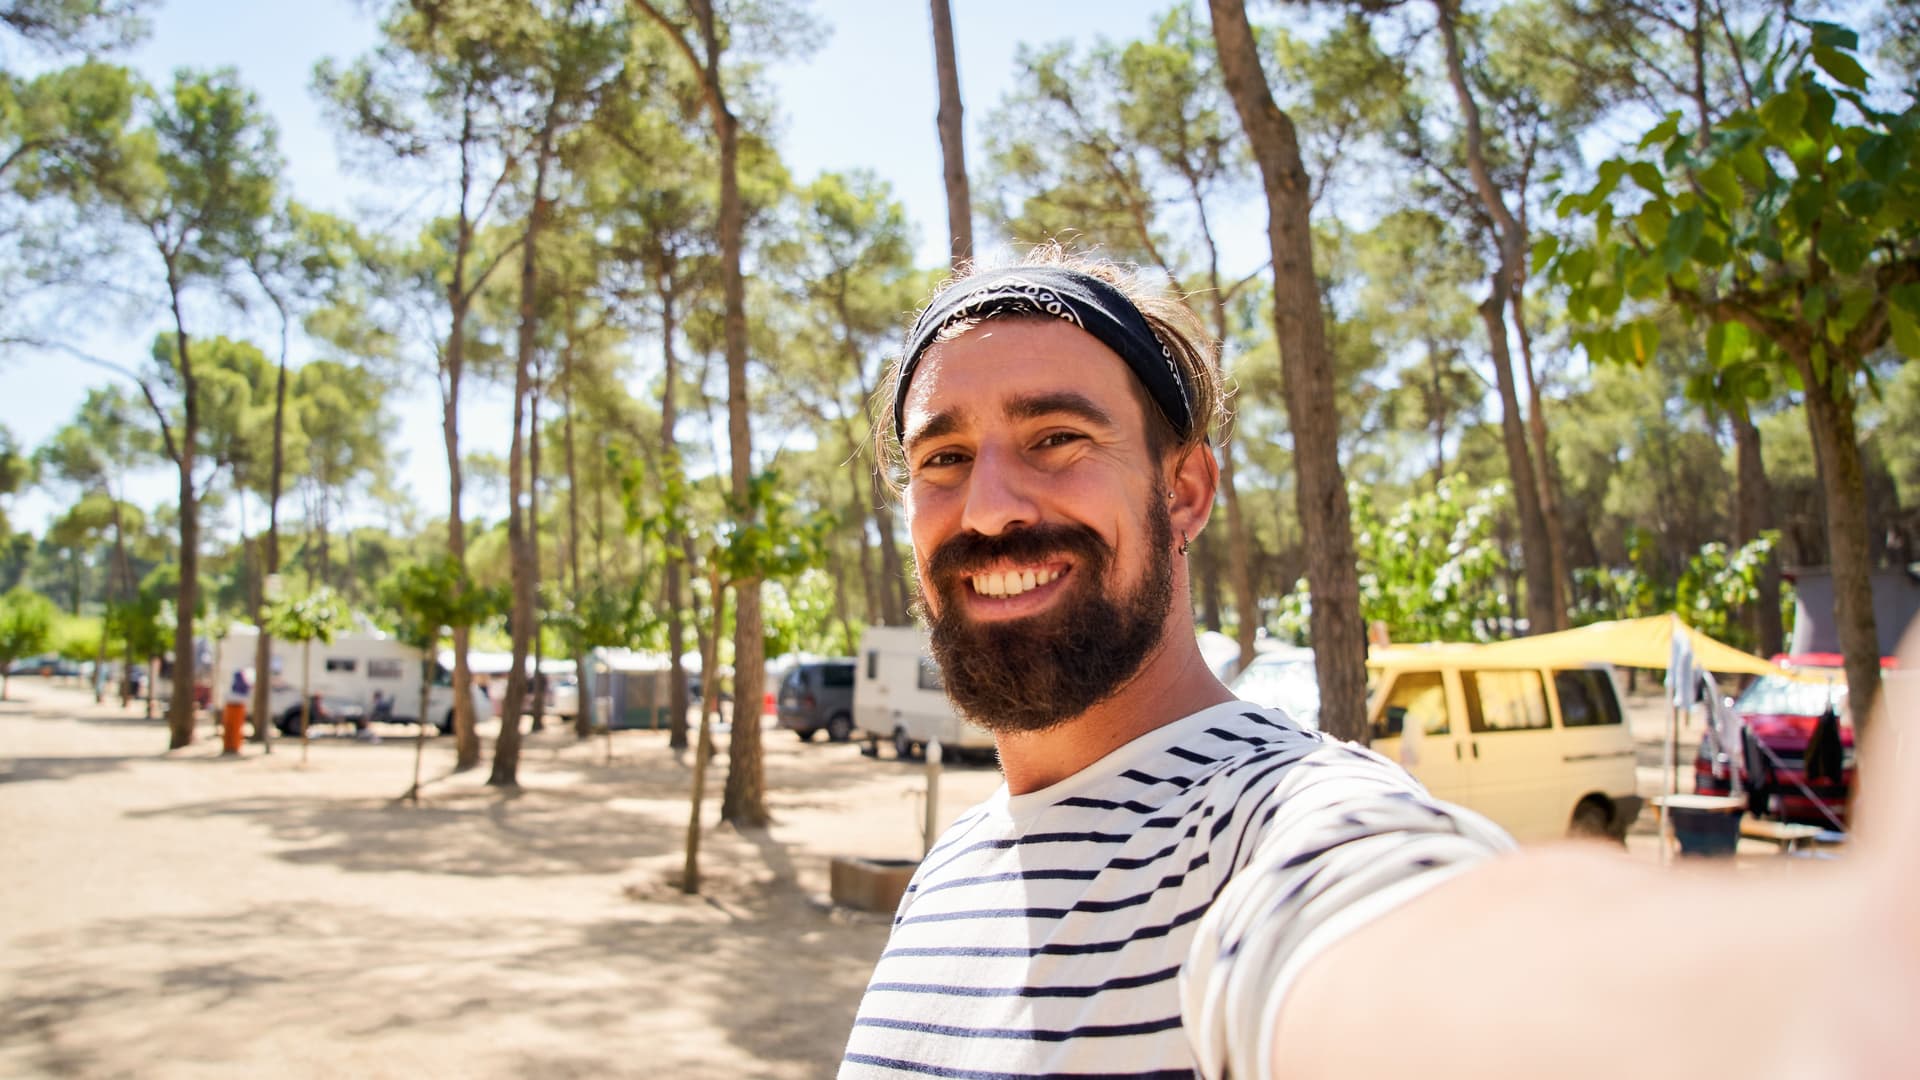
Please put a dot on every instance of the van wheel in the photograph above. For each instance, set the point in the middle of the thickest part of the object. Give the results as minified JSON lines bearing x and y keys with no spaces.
{"x":904,"y":748}
{"x":806,"y":734}
{"x":839,"y":727}
{"x":1590,"y":820}
{"x":446,"y":723}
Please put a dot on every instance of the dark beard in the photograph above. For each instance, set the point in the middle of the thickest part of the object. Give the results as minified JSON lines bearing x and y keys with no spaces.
{"x":1034,"y":673}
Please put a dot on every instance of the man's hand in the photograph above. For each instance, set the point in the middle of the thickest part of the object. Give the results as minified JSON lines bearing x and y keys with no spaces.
{"x":1885,"y":885}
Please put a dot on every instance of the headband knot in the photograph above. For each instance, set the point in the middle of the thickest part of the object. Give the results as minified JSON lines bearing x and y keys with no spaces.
{"x":1082,"y":299}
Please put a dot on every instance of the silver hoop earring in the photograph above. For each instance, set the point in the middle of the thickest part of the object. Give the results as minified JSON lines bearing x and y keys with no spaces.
{"x":1184,"y":542}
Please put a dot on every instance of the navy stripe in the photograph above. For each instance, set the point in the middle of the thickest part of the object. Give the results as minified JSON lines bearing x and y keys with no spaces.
{"x":977,"y":1074}
{"x":1085,"y":948}
{"x":1231,"y":736}
{"x":1125,"y":982}
{"x":1036,"y":838}
{"x":1088,"y":1031}
{"x":1081,"y":801}
{"x":1016,"y":875}
{"x":1187,"y":755}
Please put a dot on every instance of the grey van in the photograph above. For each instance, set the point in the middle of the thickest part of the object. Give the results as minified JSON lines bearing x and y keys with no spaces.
{"x":818,"y":696}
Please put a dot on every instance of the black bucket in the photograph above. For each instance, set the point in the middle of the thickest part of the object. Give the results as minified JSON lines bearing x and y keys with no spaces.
{"x":1707,"y":833}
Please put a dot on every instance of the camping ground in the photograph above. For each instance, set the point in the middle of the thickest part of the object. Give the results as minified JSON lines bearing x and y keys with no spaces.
{"x":188,"y":915}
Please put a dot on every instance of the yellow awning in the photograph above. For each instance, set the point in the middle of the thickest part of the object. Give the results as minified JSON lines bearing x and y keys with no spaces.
{"x":1641,"y":643}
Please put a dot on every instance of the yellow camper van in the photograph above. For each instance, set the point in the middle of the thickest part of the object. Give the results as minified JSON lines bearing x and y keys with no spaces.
{"x":1542,"y":750}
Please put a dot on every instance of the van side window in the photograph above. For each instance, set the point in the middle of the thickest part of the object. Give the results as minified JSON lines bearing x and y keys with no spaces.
{"x":873,"y":663}
{"x":1506,"y":701}
{"x":383,"y":669}
{"x":930,"y":675}
{"x":1586,"y":698}
{"x":1419,"y":697}
{"x":836,"y":675}
{"x":340,"y":663}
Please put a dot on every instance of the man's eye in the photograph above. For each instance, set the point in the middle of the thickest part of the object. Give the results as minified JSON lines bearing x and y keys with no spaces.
{"x":942,"y":459}
{"x":1058,"y":438}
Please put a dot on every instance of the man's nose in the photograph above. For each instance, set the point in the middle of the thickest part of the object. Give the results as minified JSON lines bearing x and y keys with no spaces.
{"x":999,"y":493}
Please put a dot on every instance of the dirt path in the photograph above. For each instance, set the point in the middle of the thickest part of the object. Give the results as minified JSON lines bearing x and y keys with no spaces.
{"x":172,"y":915}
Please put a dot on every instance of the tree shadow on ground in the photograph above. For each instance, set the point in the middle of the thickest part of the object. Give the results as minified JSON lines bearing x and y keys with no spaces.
{"x":26,"y":769}
{"x":754,"y":965}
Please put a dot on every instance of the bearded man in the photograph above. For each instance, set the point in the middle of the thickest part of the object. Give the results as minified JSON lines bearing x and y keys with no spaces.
{"x":1171,"y":881}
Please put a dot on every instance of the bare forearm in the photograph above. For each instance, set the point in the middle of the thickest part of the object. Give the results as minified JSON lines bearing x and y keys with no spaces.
{"x":1572,"y":963}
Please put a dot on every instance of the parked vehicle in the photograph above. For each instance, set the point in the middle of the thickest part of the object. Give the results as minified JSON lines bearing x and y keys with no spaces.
{"x":343,"y":676}
{"x":899,"y":695}
{"x":50,"y":664}
{"x":818,"y":696}
{"x":1544,"y":752}
{"x":1282,"y":678}
{"x":1780,"y":716}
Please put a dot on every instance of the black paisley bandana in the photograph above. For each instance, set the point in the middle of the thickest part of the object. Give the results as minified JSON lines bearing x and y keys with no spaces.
{"x":1081,"y":299}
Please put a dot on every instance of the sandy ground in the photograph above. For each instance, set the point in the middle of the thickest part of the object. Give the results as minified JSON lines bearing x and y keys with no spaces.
{"x":189,"y":915}
{"x":186,"y":914}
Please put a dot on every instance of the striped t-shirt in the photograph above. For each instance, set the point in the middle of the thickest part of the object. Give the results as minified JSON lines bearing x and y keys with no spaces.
{"x":1143,"y":917}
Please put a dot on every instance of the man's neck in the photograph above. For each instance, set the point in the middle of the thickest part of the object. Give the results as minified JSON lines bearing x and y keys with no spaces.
{"x":1173,"y":682}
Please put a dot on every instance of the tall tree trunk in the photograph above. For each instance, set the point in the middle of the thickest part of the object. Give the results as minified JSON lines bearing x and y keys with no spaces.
{"x":526,"y":420}
{"x":1547,"y":477}
{"x":674,"y":570}
{"x":1536,"y":548}
{"x":952,"y":138}
{"x":1339,"y":636}
{"x":869,"y":582}
{"x":1837,"y":452}
{"x":895,"y":596}
{"x":1753,"y":515}
{"x":540,"y":687}
{"x":1538,"y":570}
{"x":745,"y":802}
{"x":127,"y":591}
{"x":180,"y":711}
{"x":263,"y":643}
{"x":582,"y":675}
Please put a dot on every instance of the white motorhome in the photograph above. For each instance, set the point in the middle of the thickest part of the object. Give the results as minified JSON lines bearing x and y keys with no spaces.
{"x":898,"y":694}
{"x":344,"y":674}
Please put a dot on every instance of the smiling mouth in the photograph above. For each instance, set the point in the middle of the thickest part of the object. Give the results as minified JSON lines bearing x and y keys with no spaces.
{"x":1009,"y":583}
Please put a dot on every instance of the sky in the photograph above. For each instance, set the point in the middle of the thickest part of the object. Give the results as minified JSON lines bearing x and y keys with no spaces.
{"x":865,"y":99}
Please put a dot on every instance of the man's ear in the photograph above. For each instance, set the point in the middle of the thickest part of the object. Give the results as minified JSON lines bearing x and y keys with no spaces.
{"x":1193,"y":478}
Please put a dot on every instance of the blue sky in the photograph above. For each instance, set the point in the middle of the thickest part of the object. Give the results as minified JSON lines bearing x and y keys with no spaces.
{"x":865,"y":99}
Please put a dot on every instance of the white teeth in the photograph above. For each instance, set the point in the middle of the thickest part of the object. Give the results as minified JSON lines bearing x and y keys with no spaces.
{"x":1013,"y":583}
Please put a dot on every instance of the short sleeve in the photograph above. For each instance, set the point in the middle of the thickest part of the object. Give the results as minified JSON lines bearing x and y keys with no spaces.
{"x":1336,"y":839}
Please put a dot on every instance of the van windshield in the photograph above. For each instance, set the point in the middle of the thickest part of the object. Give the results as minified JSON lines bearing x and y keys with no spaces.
{"x":1771,"y":695}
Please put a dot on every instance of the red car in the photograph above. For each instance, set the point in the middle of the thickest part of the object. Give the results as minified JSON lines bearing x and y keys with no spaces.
{"x":1780,"y":716}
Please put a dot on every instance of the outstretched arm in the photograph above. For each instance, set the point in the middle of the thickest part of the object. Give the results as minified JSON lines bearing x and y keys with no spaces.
{"x":1571,"y":963}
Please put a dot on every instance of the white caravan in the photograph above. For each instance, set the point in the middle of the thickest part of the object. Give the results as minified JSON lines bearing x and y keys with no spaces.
{"x":344,"y":673}
{"x":898,"y":694}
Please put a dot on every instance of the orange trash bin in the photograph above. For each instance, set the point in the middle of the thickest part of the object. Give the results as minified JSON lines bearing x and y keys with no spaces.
{"x":233,"y":727}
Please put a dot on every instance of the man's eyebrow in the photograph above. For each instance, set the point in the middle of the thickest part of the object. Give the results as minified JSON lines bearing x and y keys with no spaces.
{"x":1037,"y":406}
{"x":943,"y":423}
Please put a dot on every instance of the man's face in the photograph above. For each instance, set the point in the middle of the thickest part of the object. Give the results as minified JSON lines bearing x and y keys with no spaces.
{"x":1040,"y":527}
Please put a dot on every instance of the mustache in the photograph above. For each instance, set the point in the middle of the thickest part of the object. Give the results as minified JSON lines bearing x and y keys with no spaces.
{"x":968,"y":551}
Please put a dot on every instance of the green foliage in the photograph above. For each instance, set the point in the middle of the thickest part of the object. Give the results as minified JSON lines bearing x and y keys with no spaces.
{"x":77,"y":637}
{"x":143,"y":624}
{"x":1429,"y":570}
{"x":312,"y":616}
{"x":1711,"y":593}
{"x":26,"y":624}
{"x":1719,"y":583}
{"x":430,"y":598}
{"x":1789,"y":230}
